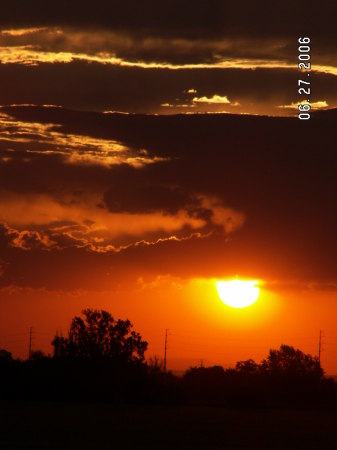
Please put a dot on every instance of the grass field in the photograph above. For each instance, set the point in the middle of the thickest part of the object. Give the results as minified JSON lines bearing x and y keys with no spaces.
{"x":61,"y":426}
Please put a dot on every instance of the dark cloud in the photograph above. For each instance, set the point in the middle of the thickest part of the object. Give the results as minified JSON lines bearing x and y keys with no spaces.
{"x":97,"y":56}
{"x":179,"y":18}
{"x":279,"y":172}
{"x":97,"y":87}
{"x":148,"y":198}
{"x":129,"y":49}
{"x":145,"y":49}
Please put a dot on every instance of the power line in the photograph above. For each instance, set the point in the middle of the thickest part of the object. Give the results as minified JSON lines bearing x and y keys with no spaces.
{"x":165,"y":350}
{"x":30,"y":342}
{"x":320,"y":345}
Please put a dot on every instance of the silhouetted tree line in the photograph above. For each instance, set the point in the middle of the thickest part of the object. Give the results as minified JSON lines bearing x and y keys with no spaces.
{"x":102,"y":359}
{"x":286,"y":377}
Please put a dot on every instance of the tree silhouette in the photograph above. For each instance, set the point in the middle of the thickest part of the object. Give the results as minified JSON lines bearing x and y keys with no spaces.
{"x":291,"y":362}
{"x":37,"y":355}
{"x":248,"y":366}
{"x":99,"y":336}
{"x":5,"y":355}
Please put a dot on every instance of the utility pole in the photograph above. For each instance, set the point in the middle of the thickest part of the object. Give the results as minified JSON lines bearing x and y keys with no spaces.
{"x":30,"y":341}
{"x":165,"y":350}
{"x":320,"y":345}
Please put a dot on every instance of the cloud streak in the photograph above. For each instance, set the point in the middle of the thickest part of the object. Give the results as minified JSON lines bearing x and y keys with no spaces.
{"x":45,"y":139}
{"x":27,"y":55}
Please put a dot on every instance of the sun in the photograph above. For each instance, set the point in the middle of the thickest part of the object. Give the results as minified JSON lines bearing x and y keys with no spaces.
{"x":238,"y":293}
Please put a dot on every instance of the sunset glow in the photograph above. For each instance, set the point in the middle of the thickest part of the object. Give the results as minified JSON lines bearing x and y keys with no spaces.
{"x":238,"y":293}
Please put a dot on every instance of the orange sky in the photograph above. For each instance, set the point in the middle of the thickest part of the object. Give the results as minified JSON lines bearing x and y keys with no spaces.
{"x":200,"y":326}
{"x":141,"y":160}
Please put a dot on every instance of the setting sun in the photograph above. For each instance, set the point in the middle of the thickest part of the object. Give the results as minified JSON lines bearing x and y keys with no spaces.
{"x":238,"y":293}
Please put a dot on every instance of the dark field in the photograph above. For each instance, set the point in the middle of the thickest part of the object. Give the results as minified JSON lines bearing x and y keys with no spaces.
{"x":95,"y":426}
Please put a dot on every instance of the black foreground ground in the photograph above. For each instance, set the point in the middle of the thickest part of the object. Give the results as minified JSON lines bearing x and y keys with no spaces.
{"x":102,"y":426}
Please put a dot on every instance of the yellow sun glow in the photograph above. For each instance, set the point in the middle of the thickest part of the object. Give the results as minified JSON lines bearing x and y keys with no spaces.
{"x":238,"y":293}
